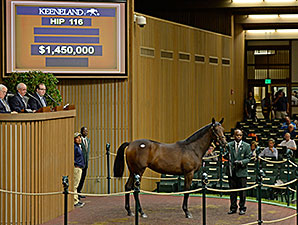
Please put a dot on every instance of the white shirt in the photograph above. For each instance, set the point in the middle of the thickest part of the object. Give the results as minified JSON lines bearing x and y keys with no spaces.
{"x":290,"y":143}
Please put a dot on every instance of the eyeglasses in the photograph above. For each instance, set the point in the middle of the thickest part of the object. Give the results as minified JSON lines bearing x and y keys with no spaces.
{"x":42,"y":89}
{"x":4,"y":92}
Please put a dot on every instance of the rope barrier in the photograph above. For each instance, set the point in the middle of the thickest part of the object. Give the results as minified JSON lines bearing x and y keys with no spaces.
{"x":95,"y":157}
{"x":281,"y":219}
{"x":266,"y":160}
{"x":172,"y":193}
{"x":31,"y":194}
{"x":294,"y":164}
{"x":251,"y":223}
{"x":232,"y":190}
{"x":210,"y":157}
{"x":281,"y":186}
{"x":101,"y":195}
{"x":291,"y":189}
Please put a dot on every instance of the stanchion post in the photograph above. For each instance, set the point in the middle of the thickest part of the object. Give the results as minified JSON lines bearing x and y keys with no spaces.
{"x":65,"y":184}
{"x":136,"y":195}
{"x":288,"y":175}
{"x":108,"y":167}
{"x":296,"y":173}
{"x":258,"y":151}
{"x":259,"y":195}
{"x":220,"y":169}
{"x":204,"y":182}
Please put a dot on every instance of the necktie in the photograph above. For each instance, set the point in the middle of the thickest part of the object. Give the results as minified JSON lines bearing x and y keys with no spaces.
{"x":43,"y":102}
{"x":85,"y":142}
{"x":237,"y":147}
{"x":24,"y":102}
{"x":6,"y":106}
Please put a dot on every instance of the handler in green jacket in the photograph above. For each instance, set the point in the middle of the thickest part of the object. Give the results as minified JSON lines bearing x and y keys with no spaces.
{"x":238,"y":154}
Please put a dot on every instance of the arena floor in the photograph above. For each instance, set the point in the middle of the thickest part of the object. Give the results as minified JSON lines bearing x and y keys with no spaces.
{"x":166,"y":210}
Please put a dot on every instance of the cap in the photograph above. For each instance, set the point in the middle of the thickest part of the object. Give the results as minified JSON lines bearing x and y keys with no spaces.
{"x":76,"y":134}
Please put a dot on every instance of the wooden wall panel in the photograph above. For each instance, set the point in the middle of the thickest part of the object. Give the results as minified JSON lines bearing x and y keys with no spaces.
{"x":34,"y":156}
{"x":172,"y":98}
{"x":103,"y":107}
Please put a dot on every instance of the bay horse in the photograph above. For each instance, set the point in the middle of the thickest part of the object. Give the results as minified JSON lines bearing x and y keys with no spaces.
{"x":180,"y":158}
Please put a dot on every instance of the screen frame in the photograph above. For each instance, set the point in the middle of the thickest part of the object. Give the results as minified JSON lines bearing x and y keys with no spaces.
{"x":71,"y":73}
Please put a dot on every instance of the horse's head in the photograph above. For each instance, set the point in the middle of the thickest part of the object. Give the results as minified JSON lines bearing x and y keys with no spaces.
{"x":218,"y":132}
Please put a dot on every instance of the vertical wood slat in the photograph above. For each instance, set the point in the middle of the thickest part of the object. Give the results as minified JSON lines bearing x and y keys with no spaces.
{"x":26,"y":163}
{"x":102,"y":107}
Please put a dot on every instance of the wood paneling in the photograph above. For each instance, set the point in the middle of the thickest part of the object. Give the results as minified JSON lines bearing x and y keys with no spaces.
{"x":171,"y":99}
{"x":36,"y":151}
{"x":103,"y":107}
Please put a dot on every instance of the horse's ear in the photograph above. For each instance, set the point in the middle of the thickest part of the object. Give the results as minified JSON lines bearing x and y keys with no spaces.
{"x":221,"y":121}
{"x":213,"y":121}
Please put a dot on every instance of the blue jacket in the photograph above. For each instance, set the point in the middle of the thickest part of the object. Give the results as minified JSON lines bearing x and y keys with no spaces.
{"x":78,"y":157}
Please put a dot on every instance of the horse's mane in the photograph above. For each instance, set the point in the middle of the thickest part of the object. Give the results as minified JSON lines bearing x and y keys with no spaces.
{"x":196,"y":135}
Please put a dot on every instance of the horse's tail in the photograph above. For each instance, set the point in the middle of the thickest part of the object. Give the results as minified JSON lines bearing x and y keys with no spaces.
{"x":119,"y":161}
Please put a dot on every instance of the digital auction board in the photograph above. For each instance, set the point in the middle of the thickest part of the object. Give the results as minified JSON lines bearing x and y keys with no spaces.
{"x":65,"y":37}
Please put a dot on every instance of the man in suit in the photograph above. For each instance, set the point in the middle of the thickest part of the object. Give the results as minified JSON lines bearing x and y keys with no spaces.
{"x":39,"y":100}
{"x":4,"y":106}
{"x":238,"y":154}
{"x":17,"y":102}
{"x":86,"y":149}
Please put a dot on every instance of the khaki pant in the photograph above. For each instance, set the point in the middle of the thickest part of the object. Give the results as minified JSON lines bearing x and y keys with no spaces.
{"x":76,"y":181}
{"x":280,"y":114}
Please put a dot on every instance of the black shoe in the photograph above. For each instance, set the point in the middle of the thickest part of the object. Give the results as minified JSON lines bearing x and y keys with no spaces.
{"x":82,"y":196}
{"x":231,"y":212}
{"x":242,"y":212}
{"x":79,"y":204}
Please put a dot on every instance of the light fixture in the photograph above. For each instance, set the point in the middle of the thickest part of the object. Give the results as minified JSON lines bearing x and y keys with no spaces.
{"x":288,"y":16}
{"x":260,"y":31}
{"x":259,"y":16}
{"x":247,"y":1}
{"x":287,"y":30}
{"x":279,"y":1}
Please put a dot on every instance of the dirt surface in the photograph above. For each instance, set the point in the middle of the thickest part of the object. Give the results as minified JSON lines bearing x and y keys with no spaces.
{"x":166,"y":210}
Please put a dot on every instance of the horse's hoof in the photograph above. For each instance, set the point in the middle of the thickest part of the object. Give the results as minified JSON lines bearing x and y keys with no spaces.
{"x":130,"y":214}
{"x":188,"y":215}
{"x":143,"y":215}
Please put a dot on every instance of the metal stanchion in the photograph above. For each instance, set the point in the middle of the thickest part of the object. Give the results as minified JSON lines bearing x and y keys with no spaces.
{"x":65,"y":192}
{"x":108,"y":167}
{"x":296,"y":170}
{"x":259,"y":195}
{"x":288,"y":175}
{"x":136,"y":195}
{"x":204,"y":182}
{"x":220,"y":169}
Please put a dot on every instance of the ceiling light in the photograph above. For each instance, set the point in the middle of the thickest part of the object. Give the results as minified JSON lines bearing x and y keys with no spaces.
{"x":287,"y":30}
{"x":260,"y":31}
{"x":288,"y":16}
{"x":247,"y":1}
{"x":268,"y":16}
{"x":280,"y":1}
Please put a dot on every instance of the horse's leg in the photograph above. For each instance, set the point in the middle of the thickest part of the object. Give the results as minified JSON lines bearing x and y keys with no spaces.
{"x":128,"y":187}
{"x":187,"y":182}
{"x":140,"y":207}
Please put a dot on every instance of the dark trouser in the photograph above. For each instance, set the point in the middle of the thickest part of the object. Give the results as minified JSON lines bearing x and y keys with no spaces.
{"x":235,"y":183}
{"x":84,"y":172}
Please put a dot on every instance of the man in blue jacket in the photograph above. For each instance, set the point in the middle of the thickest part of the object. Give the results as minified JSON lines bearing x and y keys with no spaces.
{"x":79,"y":165}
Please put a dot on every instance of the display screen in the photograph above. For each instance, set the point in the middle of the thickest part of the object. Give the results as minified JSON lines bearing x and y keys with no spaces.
{"x":65,"y":37}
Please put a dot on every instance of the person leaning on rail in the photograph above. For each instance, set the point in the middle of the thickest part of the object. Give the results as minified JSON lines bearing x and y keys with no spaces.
{"x":238,"y":154}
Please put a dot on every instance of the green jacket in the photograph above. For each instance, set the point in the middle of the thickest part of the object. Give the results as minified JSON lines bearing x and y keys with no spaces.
{"x":243,"y":155}
{"x":86,"y":151}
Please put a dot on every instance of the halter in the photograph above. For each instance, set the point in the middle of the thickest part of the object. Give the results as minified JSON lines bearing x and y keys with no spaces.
{"x":218,"y":138}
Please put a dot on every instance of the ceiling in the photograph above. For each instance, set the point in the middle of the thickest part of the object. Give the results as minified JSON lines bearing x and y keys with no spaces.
{"x":190,"y":11}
